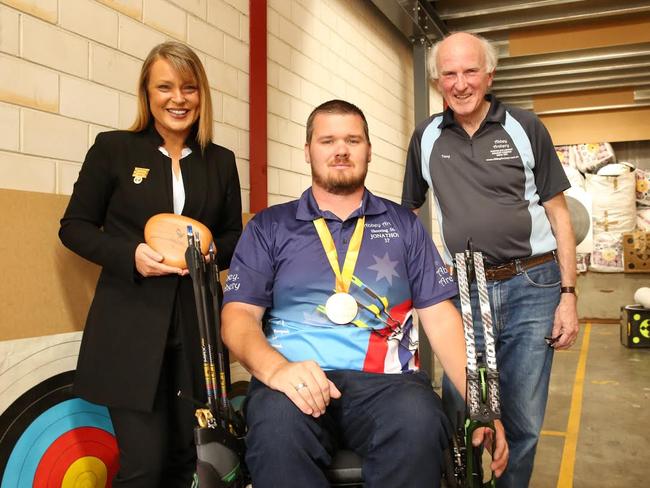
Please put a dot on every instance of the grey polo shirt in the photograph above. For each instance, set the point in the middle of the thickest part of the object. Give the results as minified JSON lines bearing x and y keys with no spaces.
{"x":488,"y":187}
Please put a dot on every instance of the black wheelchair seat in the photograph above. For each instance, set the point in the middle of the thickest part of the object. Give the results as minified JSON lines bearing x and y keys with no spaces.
{"x":345,"y":470}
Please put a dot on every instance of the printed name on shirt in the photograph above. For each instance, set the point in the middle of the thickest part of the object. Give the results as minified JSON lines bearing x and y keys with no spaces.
{"x":444,"y":278}
{"x":501,"y":151}
{"x":384,"y":230}
{"x":445,"y":156}
{"x":232,"y":282}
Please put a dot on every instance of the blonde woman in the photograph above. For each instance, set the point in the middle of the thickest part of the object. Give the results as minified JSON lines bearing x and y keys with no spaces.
{"x":140,"y":344}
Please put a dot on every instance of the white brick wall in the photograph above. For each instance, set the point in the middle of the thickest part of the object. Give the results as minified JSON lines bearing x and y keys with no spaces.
{"x":137,"y":39}
{"x":132,"y":8}
{"x":9,"y":31}
{"x":44,"y":9}
{"x":28,"y":84}
{"x":42,"y":133}
{"x":68,"y":70}
{"x":165,"y":17}
{"x":90,"y":19}
{"x":114,"y":69}
{"x":54,"y":47}
{"x":336,"y":49}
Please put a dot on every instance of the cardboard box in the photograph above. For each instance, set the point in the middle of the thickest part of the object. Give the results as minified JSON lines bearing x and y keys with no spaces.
{"x":635,"y":326}
{"x":636,"y":252}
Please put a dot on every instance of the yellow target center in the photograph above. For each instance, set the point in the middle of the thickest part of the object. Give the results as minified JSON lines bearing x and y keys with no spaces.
{"x":644,"y":328}
{"x":85,"y":472}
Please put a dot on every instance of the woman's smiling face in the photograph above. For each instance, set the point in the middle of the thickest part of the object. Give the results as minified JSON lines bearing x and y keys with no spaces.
{"x":174,"y":100}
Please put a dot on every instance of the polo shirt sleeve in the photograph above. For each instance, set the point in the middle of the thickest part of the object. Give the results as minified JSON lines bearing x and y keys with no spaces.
{"x":414,"y":188}
{"x":251,"y":274}
{"x":429,"y":279}
{"x":550,"y":178}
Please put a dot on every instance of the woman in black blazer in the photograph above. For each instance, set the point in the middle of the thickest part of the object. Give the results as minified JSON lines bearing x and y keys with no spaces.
{"x":141,"y":345}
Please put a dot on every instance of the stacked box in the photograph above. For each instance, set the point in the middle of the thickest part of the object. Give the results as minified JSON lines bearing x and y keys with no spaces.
{"x":635,"y":326}
{"x":636,"y":252}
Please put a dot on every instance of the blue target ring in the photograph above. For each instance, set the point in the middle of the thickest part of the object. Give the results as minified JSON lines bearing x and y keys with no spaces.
{"x":36,"y":420}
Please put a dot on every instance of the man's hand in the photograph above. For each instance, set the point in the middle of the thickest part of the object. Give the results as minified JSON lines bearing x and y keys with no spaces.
{"x":149,"y":263}
{"x":565,"y":323}
{"x":306,"y":385}
{"x":499,"y":449}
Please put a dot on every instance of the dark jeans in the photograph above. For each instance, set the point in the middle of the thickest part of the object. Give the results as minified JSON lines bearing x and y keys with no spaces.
{"x":394,"y":421}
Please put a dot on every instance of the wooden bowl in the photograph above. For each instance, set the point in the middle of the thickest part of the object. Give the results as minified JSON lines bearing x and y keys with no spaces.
{"x":167,"y":234}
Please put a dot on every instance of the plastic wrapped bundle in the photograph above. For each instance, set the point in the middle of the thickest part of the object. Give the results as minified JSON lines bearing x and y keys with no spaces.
{"x":589,"y":158}
{"x":607,"y":256}
{"x":643,"y":187}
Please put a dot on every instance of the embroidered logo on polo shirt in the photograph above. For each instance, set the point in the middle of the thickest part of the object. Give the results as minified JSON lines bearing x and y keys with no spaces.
{"x":139,"y":174}
{"x":501,"y":151}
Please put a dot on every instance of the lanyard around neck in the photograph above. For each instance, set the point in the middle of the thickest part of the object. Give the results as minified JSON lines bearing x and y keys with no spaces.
{"x":343,"y":278}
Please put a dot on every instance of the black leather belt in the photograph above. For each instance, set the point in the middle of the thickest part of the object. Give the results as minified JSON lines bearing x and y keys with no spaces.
{"x":505,"y":271}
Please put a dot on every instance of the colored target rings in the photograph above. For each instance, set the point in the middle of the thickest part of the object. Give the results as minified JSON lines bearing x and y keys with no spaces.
{"x":49,"y":438}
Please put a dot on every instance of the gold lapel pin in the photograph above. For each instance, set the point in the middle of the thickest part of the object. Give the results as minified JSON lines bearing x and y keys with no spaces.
{"x":139,"y":174}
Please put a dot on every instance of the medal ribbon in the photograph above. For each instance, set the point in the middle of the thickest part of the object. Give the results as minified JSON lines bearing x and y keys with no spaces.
{"x":343,"y":278}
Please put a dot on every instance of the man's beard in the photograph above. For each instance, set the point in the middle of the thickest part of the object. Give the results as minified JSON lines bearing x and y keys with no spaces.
{"x":340,"y":184}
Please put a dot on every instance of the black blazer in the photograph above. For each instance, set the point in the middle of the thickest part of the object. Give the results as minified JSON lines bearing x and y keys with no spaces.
{"x":126,"y":330}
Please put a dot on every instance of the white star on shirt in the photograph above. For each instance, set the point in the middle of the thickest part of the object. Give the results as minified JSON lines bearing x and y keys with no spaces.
{"x":385,"y":268}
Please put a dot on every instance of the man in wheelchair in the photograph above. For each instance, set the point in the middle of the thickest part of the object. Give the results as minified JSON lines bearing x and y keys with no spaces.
{"x":319,"y":308}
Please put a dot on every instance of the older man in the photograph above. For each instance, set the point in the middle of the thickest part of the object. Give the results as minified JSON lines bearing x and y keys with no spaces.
{"x":318,"y":307}
{"x":497,"y":180}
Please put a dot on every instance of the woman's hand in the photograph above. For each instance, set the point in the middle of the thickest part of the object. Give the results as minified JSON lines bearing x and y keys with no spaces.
{"x":149,"y":263}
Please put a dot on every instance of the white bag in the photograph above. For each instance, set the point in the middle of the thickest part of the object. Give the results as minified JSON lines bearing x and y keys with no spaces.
{"x":614,"y":202}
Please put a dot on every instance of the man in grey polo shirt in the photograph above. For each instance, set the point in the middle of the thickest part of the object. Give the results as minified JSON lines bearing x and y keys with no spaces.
{"x":496,"y":179}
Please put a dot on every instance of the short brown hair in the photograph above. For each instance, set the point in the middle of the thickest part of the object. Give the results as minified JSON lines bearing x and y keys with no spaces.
{"x":339,"y":107}
{"x":188,"y":65}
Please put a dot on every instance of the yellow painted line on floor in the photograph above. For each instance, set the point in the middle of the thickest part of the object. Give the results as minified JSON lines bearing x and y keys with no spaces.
{"x":565,"y":480}
{"x":554,"y":433}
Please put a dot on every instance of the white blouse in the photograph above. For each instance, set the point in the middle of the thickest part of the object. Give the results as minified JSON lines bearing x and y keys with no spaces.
{"x":178,"y":190}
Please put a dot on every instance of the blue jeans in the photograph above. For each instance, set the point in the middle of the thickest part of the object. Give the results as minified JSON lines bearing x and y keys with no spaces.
{"x":394,"y":422}
{"x":523,"y":310}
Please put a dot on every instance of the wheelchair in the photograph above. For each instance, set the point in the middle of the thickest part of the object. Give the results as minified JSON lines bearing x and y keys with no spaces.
{"x":220,"y":435}
{"x":345,"y":471}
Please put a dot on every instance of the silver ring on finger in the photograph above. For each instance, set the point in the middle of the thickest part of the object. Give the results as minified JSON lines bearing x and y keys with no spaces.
{"x":300,"y":386}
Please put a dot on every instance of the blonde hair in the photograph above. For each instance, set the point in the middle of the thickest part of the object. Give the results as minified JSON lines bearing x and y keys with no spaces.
{"x":489,"y":52}
{"x":188,"y":65}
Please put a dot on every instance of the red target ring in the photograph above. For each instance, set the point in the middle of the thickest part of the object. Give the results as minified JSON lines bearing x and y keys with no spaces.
{"x":64,"y":459}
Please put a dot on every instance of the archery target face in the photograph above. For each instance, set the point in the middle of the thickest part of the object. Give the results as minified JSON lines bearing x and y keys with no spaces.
{"x":48,"y":437}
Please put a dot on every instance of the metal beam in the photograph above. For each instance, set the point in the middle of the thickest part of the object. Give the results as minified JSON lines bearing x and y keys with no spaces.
{"x":640,"y":82}
{"x":567,"y":81}
{"x":572,"y":57}
{"x":481,"y":21}
{"x":421,"y":112}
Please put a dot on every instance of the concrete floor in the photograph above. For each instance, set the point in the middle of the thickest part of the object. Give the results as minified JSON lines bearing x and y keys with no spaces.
{"x":596,"y":432}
